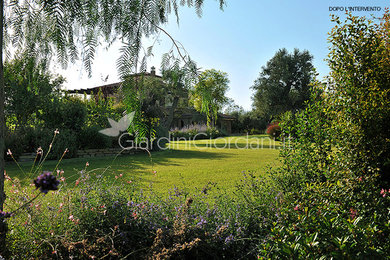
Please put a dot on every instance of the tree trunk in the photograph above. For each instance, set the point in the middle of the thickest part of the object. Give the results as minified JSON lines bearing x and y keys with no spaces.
{"x":168,"y":120}
{"x":2,"y":117}
{"x":3,"y":224}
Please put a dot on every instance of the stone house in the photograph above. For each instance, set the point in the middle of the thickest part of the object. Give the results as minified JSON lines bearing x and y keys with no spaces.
{"x":183,"y":115}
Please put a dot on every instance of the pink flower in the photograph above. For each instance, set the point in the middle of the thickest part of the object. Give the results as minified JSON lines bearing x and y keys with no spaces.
{"x":129,"y":182}
{"x":86,"y":164}
{"x":6,"y":176}
{"x":9,"y":152}
{"x":384,"y":192}
{"x":296,"y":208}
{"x":352,"y":213}
{"x":71,"y":217}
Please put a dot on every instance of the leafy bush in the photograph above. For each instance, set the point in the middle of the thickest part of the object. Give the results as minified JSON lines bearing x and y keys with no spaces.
{"x":66,"y":140}
{"x":336,"y":202}
{"x":14,"y":141}
{"x":29,"y":87}
{"x":246,"y":121}
{"x":65,"y":113}
{"x":90,"y":138}
{"x":99,"y":109}
{"x":30,"y":139}
{"x":255,"y":131}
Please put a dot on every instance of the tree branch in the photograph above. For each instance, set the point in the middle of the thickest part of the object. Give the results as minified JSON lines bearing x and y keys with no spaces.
{"x":173,"y":40}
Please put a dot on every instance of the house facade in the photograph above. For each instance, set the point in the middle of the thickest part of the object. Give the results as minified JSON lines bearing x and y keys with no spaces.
{"x":183,"y":115}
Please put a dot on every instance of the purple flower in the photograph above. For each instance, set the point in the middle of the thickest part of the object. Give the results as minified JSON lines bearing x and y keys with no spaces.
{"x":229,"y":239}
{"x":201,"y":222}
{"x":4,"y":214}
{"x":46,"y":181}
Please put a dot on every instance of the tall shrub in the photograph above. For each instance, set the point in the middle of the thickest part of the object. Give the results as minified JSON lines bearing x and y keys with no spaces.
{"x":358,"y":99}
{"x":335,"y":167}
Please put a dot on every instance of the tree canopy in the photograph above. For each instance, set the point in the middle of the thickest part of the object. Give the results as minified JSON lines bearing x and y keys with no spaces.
{"x":283,"y":84}
{"x":209,"y":94}
{"x":29,"y":88}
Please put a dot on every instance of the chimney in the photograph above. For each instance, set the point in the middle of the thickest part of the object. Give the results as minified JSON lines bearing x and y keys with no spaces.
{"x":153,"y":71}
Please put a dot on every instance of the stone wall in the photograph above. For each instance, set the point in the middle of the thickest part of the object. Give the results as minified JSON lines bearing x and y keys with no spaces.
{"x":104,"y":152}
{"x":26,"y":157}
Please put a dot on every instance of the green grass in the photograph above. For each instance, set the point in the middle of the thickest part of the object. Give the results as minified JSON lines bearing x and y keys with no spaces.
{"x":187,"y":164}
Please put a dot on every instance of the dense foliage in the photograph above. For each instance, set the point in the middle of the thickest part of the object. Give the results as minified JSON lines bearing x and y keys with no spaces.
{"x":209,"y":94}
{"x":283,"y":84}
{"x":36,"y":107}
{"x":29,"y":88}
{"x":335,"y":173}
{"x":245,"y":121}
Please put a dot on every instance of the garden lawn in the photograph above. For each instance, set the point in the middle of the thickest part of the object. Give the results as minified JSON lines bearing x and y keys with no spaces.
{"x":189,"y":165}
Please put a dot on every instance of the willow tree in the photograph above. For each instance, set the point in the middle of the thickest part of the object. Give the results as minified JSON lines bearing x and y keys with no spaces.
{"x":67,"y":30}
{"x":209,"y":94}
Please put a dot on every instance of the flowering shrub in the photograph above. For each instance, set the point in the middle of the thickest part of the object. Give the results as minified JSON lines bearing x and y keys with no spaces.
{"x":274,"y":130}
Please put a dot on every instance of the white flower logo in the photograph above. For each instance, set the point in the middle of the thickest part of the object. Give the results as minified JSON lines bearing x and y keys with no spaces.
{"x":117,"y":127}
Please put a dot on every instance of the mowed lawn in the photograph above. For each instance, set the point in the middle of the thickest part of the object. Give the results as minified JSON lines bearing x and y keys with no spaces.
{"x":186,"y":164}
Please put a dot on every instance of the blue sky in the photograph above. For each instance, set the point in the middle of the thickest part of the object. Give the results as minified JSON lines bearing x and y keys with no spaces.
{"x":239,"y":40}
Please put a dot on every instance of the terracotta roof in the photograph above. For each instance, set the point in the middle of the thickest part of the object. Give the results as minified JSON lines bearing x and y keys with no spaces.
{"x":227,"y":117}
{"x":109,"y":88}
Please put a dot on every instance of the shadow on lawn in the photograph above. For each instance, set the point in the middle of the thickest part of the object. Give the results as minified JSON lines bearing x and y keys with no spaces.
{"x":164,"y":158}
{"x":139,"y":166}
{"x":233,"y":145}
